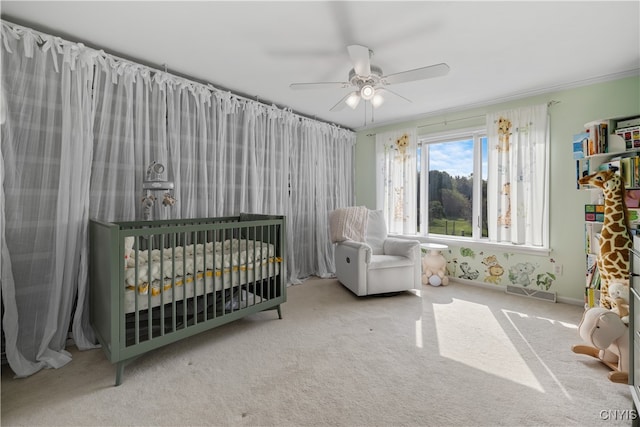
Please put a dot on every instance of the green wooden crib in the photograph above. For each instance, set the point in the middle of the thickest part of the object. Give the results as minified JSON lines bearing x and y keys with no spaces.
{"x":156,"y":282}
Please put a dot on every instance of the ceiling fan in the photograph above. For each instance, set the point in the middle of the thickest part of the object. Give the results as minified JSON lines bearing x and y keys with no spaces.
{"x":368,"y":80}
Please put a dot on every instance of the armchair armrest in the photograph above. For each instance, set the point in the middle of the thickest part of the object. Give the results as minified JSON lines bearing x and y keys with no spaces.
{"x":359,"y":249}
{"x":402,"y":247}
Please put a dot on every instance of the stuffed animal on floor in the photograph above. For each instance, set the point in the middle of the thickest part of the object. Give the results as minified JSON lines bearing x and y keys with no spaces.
{"x":619,"y":299}
{"x":434,"y":268}
{"x":609,"y":339}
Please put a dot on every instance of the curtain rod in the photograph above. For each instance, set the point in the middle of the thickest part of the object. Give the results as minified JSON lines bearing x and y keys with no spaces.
{"x":184,"y":77}
{"x":477,"y":116}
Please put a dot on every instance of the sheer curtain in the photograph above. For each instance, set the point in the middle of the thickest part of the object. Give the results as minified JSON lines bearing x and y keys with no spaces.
{"x":396,"y":183}
{"x":46,"y":156}
{"x":321,"y":181}
{"x":79,"y":130}
{"x":517,"y":182}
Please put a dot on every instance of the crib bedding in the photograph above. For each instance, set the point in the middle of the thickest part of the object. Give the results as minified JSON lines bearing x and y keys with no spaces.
{"x":193,"y":270}
{"x":205,"y":282}
{"x":232,"y":254}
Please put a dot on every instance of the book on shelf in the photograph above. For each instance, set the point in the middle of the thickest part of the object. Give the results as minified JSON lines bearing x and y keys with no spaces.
{"x":626,"y":171}
{"x":632,"y":198}
{"x":580,"y":145}
{"x":634,"y":216}
{"x":592,"y":260}
{"x":628,"y":166}
{"x":591,"y":298}
{"x":634,"y":121}
{"x":598,"y":141}
{"x":592,"y":285}
{"x":582,"y":169}
{"x":591,"y":239}
{"x":631,"y":136}
{"x":613,"y":164}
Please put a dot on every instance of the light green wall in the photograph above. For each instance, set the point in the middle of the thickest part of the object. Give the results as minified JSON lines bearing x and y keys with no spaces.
{"x":573,"y":109}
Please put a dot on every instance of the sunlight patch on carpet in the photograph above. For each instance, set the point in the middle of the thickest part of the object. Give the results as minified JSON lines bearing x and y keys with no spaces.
{"x":469,"y":333}
{"x":514,"y":314}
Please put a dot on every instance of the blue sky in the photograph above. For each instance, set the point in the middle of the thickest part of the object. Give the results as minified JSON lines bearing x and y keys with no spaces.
{"x":455,"y":158}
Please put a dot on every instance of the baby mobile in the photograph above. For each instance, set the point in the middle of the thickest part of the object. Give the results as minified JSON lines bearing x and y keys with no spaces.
{"x":152,"y":183}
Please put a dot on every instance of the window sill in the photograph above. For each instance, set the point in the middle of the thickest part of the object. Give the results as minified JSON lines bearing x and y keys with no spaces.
{"x":506,"y":247}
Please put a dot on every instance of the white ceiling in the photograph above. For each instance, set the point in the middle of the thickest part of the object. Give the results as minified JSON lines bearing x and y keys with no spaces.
{"x":496,"y":50}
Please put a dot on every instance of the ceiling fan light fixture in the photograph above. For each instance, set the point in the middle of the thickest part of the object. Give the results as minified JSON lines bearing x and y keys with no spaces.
{"x":377,"y":100}
{"x":353,"y":100}
{"x":367,"y":92}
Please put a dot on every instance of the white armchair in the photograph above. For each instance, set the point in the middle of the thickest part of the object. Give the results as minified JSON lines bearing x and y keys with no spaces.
{"x":379,"y":265}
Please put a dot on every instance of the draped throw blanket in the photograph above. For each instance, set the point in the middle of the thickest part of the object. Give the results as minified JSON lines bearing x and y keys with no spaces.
{"x":348,"y":224}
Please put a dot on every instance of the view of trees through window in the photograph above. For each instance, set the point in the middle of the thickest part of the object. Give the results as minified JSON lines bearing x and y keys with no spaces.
{"x":451,"y":187}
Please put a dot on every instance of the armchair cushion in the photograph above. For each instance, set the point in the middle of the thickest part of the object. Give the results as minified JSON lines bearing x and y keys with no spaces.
{"x":389,"y":261}
{"x":376,"y":232}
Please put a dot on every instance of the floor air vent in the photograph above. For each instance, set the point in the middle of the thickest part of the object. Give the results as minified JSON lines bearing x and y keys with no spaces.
{"x":532,"y":293}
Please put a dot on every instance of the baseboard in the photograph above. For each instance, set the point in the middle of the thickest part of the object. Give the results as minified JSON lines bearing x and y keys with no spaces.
{"x":477,"y":284}
{"x":503,"y":288}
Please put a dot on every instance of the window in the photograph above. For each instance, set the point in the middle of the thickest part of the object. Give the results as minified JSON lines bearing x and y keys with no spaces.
{"x":452,"y":185}
{"x":478,"y":184}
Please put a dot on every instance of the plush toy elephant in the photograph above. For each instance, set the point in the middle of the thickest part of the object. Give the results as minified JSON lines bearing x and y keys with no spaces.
{"x":609,"y":337}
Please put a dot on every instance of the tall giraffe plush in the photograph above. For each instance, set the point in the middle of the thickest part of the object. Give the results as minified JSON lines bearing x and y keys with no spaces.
{"x":615,"y":239}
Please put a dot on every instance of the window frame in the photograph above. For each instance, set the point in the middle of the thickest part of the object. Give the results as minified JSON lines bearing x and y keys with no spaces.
{"x":475,"y":134}
{"x":480,"y":243}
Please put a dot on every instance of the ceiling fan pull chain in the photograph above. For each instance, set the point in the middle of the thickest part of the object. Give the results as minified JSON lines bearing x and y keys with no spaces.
{"x":365,"y":113}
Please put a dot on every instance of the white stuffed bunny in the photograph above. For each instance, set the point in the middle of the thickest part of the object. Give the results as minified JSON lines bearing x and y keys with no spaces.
{"x":619,"y":298}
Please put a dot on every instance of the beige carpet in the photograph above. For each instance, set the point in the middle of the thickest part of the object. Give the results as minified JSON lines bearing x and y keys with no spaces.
{"x":454,"y":356}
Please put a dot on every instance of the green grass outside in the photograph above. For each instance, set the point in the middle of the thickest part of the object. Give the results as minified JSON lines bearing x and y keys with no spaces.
{"x":450,"y":227}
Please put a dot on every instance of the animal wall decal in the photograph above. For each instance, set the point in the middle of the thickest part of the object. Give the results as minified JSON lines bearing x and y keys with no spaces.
{"x":494,"y":270}
{"x":514,"y":268}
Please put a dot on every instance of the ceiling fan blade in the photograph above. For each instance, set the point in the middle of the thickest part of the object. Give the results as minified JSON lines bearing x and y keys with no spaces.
{"x":417,"y":74}
{"x":383,"y":90}
{"x":323,"y":85}
{"x":361,"y":59}
{"x":343,"y":102}
{"x":340,"y":105}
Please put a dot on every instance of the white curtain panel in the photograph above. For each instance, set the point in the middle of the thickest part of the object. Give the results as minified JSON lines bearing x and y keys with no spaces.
{"x":517,"y":182}
{"x":79,"y":130}
{"x":46,"y":156}
{"x":396,"y":179}
{"x":321,"y":181}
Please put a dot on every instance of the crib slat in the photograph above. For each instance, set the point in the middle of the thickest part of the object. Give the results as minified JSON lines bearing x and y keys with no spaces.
{"x":184,"y":280}
{"x":194,"y":241}
{"x":149,"y":286}
{"x":136,"y":278}
{"x":223,"y":291}
{"x":162,"y":246}
{"x":173,"y":283}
